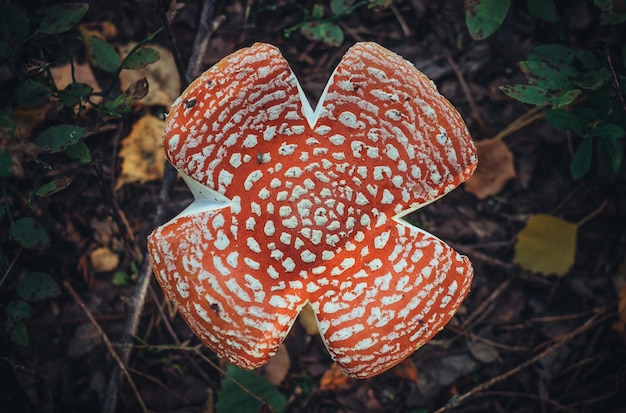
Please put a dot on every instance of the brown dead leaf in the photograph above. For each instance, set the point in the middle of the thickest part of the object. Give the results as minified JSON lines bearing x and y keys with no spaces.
{"x":103,"y":260}
{"x":406,"y":370}
{"x":142,"y":152}
{"x":277,"y":367}
{"x":495,"y":168}
{"x":308,"y":320}
{"x":335,"y":380}
{"x":27,"y":119}
{"x":162,"y":77}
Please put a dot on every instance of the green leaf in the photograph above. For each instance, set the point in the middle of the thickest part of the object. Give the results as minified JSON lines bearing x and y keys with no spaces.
{"x":17,"y":331}
{"x":556,"y":55}
{"x":613,"y":151}
{"x":54,"y":186}
{"x":123,"y":103}
{"x":340,"y":7}
{"x":18,"y":310}
{"x":103,"y":55}
{"x":612,"y":18}
{"x":543,"y":10}
{"x":607,"y":130}
{"x":484,"y":17}
{"x":328,"y":33}
{"x":140,"y":58}
{"x":544,"y":75}
{"x":232,"y":399}
{"x":581,"y":161}
{"x":79,"y":151}
{"x":29,"y":234}
{"x":604,"y":5}
{"x":31,"y":93}
{"x":61,"y":18}
{"x":59,"y":138}
{"x":6,"y":162}
{"x":318,"y":11}
{"x":74,"y":94}
{"x":594,"y":79}
{"x":562,"y":119}
{"x":120,"y":278}
{"x":539,"y":96}
{"x":37,"y":286}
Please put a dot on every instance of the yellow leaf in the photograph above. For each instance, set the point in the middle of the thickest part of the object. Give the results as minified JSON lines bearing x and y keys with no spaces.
{"x":308,"y":320}
{"x":103,"y":259}
{"x":142,"y":152}
{"x":546,"y":245}
{"x":494,"y":169}
{"x":162,"y":77}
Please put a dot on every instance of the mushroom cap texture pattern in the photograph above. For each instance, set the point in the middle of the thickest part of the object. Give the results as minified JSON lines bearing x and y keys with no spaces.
{"x":295,"y":206}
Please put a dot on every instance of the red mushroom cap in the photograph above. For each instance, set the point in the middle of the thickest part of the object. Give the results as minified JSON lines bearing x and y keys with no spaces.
{"x":295,"y":206}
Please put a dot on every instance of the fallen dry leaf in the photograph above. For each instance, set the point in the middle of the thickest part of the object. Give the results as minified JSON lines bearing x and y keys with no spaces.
{"x":308,"y":320}
{"x":495,"y":168}
{"x":546,"y":245}
{"x":27,"y":119}
{"x":277,"y":367}
{"x":142,"y":152}
{"x":406,"y":370}
{"x":334,"y":380}
{"x":103,"y":259}
{"x":83,"y":73}
{"x":162,"y":77}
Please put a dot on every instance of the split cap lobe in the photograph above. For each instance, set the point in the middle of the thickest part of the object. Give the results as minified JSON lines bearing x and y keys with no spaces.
{"x":295,"y":206}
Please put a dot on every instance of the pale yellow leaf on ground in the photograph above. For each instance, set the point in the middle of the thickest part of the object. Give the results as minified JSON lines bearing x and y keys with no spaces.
{"x":162,"y":77}
{"x":546,"y":245}
{"x":277,"y":367}
{"x":142,"y":152}
{"x":103,"y":260}
{"x":308,"y":321}
{"x":83,"y":73}
{"x":495,"y":168}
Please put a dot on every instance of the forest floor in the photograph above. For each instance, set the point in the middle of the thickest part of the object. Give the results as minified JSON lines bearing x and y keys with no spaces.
{"x":521,"y":342}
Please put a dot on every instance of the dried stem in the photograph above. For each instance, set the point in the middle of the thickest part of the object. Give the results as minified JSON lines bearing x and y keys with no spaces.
{"x":598,"y":317}
{"x":121,"y":365}
{"x":137,"y":300}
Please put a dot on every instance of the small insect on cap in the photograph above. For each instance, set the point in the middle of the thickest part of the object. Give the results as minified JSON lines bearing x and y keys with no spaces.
{"x":295,"y":205}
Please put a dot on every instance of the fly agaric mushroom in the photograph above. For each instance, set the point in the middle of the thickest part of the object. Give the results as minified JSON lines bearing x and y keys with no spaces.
{"x":295,"y":206}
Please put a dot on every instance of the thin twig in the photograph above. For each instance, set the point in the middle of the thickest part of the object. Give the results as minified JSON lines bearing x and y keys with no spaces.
{"x":107,"y":342}
{"x":599,"y":316}
{"x":137,"y":300}
{"x":203,"y":35}
{"x":466,"y":89}
{"x":527,"y":118}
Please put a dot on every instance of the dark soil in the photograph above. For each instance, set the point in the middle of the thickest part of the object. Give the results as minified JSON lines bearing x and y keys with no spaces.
{"x":522,"y":342}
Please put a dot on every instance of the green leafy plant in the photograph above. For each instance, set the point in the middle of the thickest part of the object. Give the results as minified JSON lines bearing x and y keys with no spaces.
{"x":583,"y":89}
{"x":257,"y":392}
{"x":321,"y":22}
{"x":30,"y":47}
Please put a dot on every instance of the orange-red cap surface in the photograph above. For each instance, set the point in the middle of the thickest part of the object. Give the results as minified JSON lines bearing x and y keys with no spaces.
{"x":295,"y":206}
